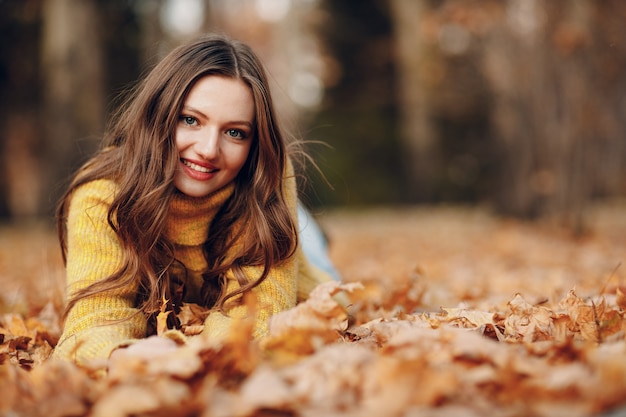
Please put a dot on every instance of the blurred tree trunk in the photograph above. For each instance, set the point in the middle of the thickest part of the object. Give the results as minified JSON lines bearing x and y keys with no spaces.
{"x":20,"y":130}
{"x":537,"y":63}
{"x":413,"y":58}
{"x":73,"y":89}
{"x":609,"y":63}
{"x":358,"y":116}
{"x":150,"y":32}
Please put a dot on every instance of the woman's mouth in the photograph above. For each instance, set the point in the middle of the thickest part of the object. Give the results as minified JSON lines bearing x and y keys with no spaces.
{"x":197,"y":167}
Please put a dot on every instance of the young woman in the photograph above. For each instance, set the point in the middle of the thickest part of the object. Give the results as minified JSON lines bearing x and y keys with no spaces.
{"x":192,"y":199}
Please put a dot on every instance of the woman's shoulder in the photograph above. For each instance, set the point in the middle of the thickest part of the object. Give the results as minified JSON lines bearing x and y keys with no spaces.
{"x":89,"y":204}
{"x":94,"y":192}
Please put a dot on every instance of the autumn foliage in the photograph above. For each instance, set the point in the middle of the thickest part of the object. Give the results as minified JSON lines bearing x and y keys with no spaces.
{"x":542,"y":350}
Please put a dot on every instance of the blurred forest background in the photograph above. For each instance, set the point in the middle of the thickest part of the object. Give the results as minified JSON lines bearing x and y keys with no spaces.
{"x":517,"y":104}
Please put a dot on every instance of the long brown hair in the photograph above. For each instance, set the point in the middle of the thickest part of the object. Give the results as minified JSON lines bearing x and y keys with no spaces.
{"x":140,"y":155}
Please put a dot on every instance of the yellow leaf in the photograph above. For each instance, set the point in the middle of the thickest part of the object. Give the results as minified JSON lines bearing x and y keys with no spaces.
{"x":162,"y":317}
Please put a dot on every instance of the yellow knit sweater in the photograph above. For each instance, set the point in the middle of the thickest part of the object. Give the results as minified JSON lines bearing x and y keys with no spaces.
{"x":99,"y":324}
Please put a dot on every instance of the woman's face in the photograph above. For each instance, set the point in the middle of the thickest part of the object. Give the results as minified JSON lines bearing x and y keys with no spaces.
{"x":214,"y":133}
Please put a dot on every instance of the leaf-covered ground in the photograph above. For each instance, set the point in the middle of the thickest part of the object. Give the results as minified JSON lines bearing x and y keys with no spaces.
{"x":454,"y":312}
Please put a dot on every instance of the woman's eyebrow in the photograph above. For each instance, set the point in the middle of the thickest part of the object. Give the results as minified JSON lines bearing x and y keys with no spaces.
{"x":192,"y":109}
{"x":242,"y":122}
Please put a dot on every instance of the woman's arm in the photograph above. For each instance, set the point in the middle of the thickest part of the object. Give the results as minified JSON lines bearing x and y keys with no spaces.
{"x":98,"y":324}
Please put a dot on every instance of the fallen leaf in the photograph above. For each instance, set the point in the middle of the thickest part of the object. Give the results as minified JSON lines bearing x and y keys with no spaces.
{"x":531,"y":323}
{"x":161,"y":326}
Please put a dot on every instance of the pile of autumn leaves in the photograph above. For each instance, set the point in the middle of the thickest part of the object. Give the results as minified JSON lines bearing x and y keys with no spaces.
{"x":387,"y":359}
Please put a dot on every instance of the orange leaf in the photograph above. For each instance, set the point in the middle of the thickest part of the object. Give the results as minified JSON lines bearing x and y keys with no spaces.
{"x":162,"y":317}
{"x":621,"y":298}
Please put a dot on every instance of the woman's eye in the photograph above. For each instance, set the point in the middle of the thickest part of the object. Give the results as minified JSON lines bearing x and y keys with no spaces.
{"x":188,"y":120}
{"x":235,"y":133}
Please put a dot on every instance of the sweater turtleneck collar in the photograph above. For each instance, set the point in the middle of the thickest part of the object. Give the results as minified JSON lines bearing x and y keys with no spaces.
{"x":189,"y":218}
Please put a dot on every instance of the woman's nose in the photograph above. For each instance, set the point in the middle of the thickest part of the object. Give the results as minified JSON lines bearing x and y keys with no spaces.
{"x":208,"y":145}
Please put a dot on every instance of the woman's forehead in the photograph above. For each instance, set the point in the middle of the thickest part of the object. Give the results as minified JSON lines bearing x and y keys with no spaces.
{"x":224,"y":97}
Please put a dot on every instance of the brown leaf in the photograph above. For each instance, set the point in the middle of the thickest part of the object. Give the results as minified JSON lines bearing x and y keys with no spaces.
{"x":584,"y":316}
{"x":472,"y":318}
{"x":192,"y":314}
{"x":621,"y":298}
{"x":531,"y":323}
{"x":19,"y":343}
{"x":16,"y":326}
{"x":310,"y":325}
{"x":319,"y":312}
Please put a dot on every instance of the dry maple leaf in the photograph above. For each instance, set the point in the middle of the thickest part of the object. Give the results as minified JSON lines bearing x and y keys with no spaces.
{"x":376,"y":298}
{"x":475,"y":318}
{"x":311,"y":324}
{"x":585,"y":317}
{"x":531,"y":323}
{"x":320,"y":311}
{"x":612,"y":324}
{"x":483,"y":321}
{"x":192,"y":318}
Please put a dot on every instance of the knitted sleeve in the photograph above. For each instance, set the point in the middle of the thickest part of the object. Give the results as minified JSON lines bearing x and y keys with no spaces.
{"x":96,"y":325}
{"x":287,"y":283}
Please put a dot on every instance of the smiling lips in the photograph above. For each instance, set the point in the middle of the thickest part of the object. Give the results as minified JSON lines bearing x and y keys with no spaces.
{"x":198,"y":172}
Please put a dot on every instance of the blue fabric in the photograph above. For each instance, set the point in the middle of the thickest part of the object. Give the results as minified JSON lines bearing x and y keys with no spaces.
{"x":314,"y":243}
